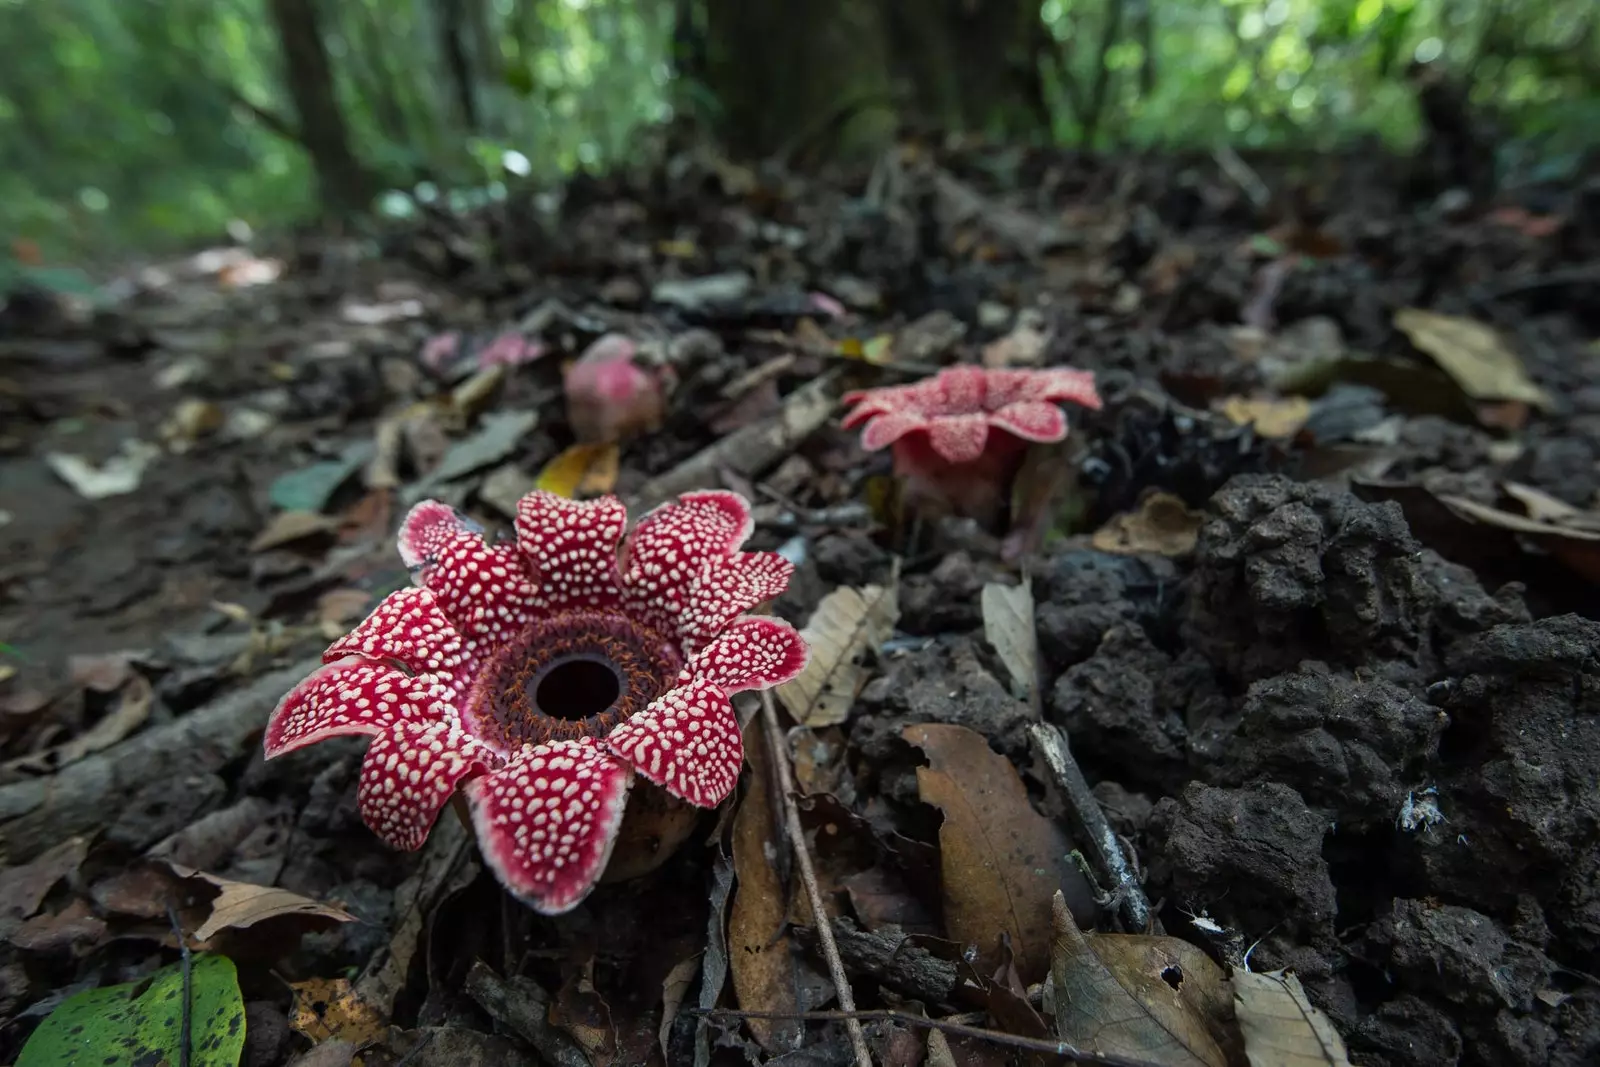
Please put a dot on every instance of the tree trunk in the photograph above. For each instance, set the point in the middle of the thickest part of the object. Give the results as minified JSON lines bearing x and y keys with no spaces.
{"x":341,"y":180}
{"x":810,"y":77}
{"x":835,"y":76}
{"x":451,"y":15}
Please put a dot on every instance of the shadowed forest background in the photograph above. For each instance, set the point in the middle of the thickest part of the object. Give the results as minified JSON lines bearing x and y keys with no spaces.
{"x":136,"y":123}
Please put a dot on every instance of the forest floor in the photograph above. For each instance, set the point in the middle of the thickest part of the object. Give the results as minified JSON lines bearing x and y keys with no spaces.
{"x":1313,"y":598}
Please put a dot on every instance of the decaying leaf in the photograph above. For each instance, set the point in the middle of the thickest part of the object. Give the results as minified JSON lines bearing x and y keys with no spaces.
{"x":1271,"y":416}
{"x":674,"y":988}
{"x":328,"y":1008}
{"x":1474,"y":355}
{"x":1281,"y":1027}
{"x":846,"y":624}
{"x":131,"y":710}
{"x":1572,"y":543}
{"x":581,"y":471}
{"x":1008,"y":625}
{"x":1001,"y":862}
{"x":1154,"y":999}
{"x":761,"y":961}
{"x":118,"y":475}
{"x":1164,"y":524}
{"x":240,"y":904}
{"x":1022,"y":347}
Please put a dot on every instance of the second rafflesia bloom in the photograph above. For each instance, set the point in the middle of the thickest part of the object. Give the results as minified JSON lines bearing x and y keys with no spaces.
{"x":540,"y":676}
{"x":959,"y":436}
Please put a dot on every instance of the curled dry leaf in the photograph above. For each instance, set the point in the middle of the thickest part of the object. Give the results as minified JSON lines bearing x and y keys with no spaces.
{"x":1000,"y":861}
{"x":674,"y":989}
{"x":239,"y":905}
{"x":846,"y":624}
{"x":1164,"y":524}
{"x":1474,"y":355}
{"x":1281,"y":1027}
{"x":1008,"y":625}
{"x":1154,"y":999}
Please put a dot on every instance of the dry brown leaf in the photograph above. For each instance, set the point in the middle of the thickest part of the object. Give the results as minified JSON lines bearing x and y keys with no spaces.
{"x":327,"y":1009}
{"x":342,"y":606}
{"x":240,"y":904}
{"x":581,"y":471}
{"x":1474,"y":355}
{"x":1281,"y":1027}
{"x":1154,"y":999}
{"x":1271,"y":416}
{"x":761,"y":962}
{"x":1576,"y":546}
{"x":23,"y":888}
{"x":1000,"y":861}
{"x":1542,"y":507}
{"x":1163,"y":524}
{"x":846,"y":624}
{"x":288,"y":527}
{"x":1008,"y":625}
{"x":130,"y":713}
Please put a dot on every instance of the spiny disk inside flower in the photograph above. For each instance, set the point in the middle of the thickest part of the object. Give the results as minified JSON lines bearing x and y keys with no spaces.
{"x":610,"y":396}
{"x":538,"y":677}
{"x":960,"y":435}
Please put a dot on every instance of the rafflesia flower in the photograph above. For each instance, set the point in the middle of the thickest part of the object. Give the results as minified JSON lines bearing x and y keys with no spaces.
{"x":610,"y":395}
{"x":960,"y":436}
{"x":540,"y":676}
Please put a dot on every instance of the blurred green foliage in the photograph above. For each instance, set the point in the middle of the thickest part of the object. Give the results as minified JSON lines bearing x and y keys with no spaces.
{"x":132,"y":124}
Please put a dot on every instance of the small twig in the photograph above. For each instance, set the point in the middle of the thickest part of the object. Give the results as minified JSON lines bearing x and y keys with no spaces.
{"x":1101,"y":840}
{"x":186,"y":1029}
{"x":1234,"y":166}
{"x":1063,"y":1049}
{"x":808,"y":878}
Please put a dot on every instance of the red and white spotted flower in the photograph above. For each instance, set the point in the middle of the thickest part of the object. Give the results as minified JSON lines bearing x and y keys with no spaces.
{"x":959,"y":436}
{"x":539,"y":676}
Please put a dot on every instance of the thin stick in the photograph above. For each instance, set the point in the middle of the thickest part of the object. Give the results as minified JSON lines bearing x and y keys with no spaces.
{"x":1051,"y":743}
{"x":808,"y":878}
{"x":186,"y":1030}
{"x":1064,"y":1049}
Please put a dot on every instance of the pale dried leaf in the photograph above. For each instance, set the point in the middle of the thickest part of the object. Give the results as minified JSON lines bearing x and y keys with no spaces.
{"x":130,"y":713}
{"x":287,"y":527}
{"x":1154,"y":999}
{"x":241,"y":904}
{"x":1008,"y":625}
{"x":581,"y":471}
{"x":846,"y":624}
{"x":1281,"y":1027}
{"x":1163,"y":524}
{"x":674,"y":988}
{"x":1271,"y":416}
{"x":1474,"y":355}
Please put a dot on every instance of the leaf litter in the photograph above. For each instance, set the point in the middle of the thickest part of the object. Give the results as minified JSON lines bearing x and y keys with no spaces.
{"x":1241,"y":656}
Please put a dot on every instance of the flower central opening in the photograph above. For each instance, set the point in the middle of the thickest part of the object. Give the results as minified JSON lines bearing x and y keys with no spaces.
{"x":577,"y":688}
{"x":572,"y":675}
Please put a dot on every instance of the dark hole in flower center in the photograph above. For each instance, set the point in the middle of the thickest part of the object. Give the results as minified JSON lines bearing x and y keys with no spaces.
{"x":577,"y":688}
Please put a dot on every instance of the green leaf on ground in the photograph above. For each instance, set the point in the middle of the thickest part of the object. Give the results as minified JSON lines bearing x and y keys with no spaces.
{"x":141,"y":1022}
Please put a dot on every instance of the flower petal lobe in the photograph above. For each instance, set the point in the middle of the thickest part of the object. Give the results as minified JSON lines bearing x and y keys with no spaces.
{"x":409,"y":628}
{"x":482,"y":588}
{"x":547,"y":821}
{"x":571,"y":546}
{"x":687,"y":742}
{"x":408,"y":774}
{"x":348,"y":696}
{"x":727,"y":589}
{"x":752,"y":653}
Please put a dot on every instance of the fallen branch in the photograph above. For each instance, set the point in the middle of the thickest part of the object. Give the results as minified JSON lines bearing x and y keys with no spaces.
{"x":38,"y":814}
{"x":808,"y":878}
{"x":747,"y":451}
{"x":887,"y":959}
{"x":1101,"y":841}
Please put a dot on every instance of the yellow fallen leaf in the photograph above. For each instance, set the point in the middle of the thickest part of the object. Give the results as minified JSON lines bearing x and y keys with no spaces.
{"x":581,"y":471}
{"x":329,"y":1008}
{"x":878,"y":350}
{"x":1272,"y":416}
{"x":1474,"y":355}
